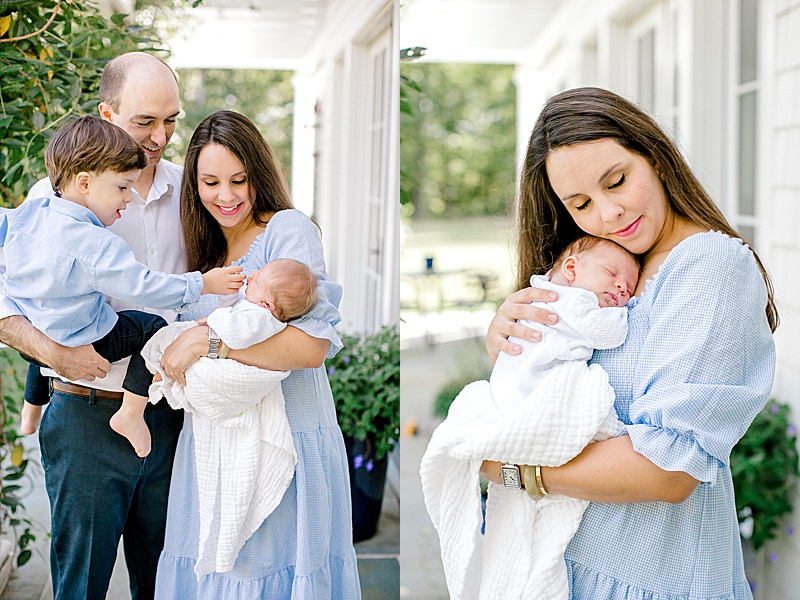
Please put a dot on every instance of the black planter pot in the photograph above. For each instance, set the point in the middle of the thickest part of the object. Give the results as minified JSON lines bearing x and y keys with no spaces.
{"x":366,"y":487}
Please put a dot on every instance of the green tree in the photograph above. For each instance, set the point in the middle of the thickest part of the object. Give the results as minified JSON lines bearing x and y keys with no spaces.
{"x":263,"y":96}
{"x":51,"y":55}
{"x":409,"y":94}
{"x":458,"y":136}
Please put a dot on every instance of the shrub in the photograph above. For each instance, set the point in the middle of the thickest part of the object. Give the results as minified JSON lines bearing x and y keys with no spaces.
{"x":764,"y":469}
{"x":365,"y":381}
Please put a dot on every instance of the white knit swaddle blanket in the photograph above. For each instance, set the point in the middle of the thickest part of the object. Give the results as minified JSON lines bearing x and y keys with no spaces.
{"x":244,"y":452}
{"x":522,"y":554}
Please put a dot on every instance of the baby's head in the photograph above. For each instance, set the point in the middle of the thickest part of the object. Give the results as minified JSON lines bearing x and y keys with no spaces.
{"x":284,"y":286}
{"x":90,"y":145}
{"x":599,"y":266}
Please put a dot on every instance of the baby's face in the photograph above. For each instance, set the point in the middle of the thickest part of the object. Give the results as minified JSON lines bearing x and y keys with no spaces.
{"x":258,"y":289}
{"x":609,"y":272}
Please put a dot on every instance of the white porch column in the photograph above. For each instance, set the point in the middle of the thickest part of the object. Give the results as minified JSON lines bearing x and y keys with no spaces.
{"x":303,"y":140}
{"x":531,"y":96}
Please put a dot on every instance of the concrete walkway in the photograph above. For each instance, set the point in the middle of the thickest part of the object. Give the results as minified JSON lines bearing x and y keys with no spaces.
{"x":378,"y":558}
{"x":426,"y":368}
{"x":436,"y":347}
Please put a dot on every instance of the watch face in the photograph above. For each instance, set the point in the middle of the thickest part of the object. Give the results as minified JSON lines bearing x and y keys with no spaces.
{"x":510,"y":475}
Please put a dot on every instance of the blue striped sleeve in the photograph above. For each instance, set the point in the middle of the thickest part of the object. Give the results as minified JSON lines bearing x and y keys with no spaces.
{"x":707,"y":365}
{"x":294,"y":235}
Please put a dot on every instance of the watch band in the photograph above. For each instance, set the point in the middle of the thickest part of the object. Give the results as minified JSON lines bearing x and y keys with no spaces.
{"x":213,"y":344}
{"x":511,"y":476}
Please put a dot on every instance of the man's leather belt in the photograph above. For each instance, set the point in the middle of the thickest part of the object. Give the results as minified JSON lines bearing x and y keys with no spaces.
{"x":86,"y":392}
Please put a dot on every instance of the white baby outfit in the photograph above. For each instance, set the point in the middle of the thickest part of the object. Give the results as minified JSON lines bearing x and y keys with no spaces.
{"x":541,"y":407}
{"x":244,"y":451}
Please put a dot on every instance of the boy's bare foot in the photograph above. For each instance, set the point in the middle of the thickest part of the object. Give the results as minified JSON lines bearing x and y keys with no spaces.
{"x":134,"y":429}
{"x":30,"y":418}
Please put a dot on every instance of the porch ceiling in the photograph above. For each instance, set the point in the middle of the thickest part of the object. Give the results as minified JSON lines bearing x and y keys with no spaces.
{"x":474,"y":31}
{"x":249,"y":34}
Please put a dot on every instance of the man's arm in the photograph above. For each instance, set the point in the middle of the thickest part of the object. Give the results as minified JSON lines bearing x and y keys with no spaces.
{"x":81,"y":362}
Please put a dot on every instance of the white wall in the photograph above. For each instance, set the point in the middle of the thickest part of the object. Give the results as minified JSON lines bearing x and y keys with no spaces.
{"x":780,"y":207}
{"x":782,"y":188}
{"x":600,"y":50}
{"x":354,"y":67}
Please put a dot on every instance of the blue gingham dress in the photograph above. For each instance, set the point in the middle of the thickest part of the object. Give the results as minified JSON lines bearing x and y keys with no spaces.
{"x":696,"y":368}
{"x":304,"y":549}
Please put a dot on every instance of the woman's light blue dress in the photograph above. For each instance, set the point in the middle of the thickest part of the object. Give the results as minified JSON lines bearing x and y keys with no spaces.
{"x":696,"y":368}
{"x":304,"y":549}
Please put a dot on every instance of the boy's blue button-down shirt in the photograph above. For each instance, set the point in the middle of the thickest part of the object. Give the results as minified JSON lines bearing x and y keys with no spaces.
{"x":61,"y":261}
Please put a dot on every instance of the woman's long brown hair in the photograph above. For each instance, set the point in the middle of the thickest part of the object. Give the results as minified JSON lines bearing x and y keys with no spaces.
{"x":206,"y":247}
{"x":544,"y":225}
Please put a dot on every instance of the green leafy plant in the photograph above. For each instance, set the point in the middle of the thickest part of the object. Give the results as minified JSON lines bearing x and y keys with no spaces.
{"x":764,"y":466}
{"x":12,"y":456}
{"x":365,"y":381}
{"x":51,"y":55}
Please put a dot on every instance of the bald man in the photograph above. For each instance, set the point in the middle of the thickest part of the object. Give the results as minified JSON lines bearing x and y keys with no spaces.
{"x":98,"y":487}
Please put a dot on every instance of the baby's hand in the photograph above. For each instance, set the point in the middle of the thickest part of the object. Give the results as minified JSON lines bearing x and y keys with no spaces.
{"x":223,"y":280}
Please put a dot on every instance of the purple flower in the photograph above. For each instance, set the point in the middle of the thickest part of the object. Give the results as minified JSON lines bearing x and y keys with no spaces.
{"x":792,"y":430}
{"x":773,"y":557}
{"x":358,"y":461}
{"x":331,"y":370}
{"x":790,"y":530}
{"x":370,"y":466}
{"x":752,"y":586}
{"x":346,"y":360}
{"x":774,"y":409}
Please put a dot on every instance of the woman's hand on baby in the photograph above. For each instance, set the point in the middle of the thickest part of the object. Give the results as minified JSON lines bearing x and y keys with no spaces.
{"x":517,"y":307}
{"x":187,"y":348}
{"x":223,"y":280}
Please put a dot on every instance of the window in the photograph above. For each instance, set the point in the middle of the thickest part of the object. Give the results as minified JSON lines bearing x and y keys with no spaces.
{"x":646,"y":56}
{"x":379,"y":198}
{"x":653,"y":70}
{"x":745,"y":104}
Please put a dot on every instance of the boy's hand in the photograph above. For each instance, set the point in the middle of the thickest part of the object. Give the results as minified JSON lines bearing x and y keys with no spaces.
{"x":223,"y":280}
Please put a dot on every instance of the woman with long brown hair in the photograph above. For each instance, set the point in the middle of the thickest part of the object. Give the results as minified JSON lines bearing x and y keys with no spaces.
{"x":696,"y":368}
{"x":235,"y":209}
